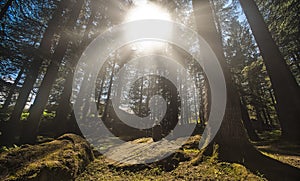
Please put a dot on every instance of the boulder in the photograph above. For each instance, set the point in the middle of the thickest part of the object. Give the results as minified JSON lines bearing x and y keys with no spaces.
{"x":61,"y":159}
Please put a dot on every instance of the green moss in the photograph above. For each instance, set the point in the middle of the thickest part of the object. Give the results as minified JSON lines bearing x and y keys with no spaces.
{"x":191,"y":151}
{"x":48,"y":115}
{"x":208,"y":169}
{"x":24,"y":115}
{"x":61,"y":159}
{"x":270,"y":135}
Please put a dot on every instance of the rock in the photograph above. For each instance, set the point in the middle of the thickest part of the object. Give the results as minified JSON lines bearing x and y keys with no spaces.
{"x":61,"y":159}
{"x":144,"y":152}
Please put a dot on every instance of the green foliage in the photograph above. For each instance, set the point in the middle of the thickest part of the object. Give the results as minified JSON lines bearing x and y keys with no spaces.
{"x":282,"y":18}
{"x":270,"y":135}
{"x":47,"y":115}
{"x":24,"y":115}
{"x":247,"y":68}
{"x":7,"y":149}
{"x":259,"y":94}
{"x":215,"y":154}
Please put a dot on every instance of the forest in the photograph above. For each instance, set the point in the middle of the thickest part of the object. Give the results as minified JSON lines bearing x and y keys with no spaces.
{"x":149,"y":90}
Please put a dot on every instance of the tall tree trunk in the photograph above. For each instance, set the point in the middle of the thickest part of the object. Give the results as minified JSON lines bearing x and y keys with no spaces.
{"x":141,"y":97}
{"x":5,"y":8}
{"x":286,"y":90}
{"x":107,"y":104}
{"x":272,"y":97}
{"x":30,"y":128}
{"x":232,"y":139}
{"x":13,"y":127}
{"x":231,"y":134}
{"x":260,"y":121}
{"x":64,"y":111}
{"x":206,"y":100}
{"x":100,"y":95}
{"x":269,"y":116}
{"x":195,"y":100}
{"x":64,"y":108}
{"x":12,"y":90}
{"x":247,"y":122}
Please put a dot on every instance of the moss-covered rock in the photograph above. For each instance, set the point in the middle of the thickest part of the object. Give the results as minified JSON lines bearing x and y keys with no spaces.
{"x":61,"y":159}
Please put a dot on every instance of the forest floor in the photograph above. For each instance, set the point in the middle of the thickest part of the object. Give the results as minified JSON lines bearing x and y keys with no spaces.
{"x":193,"y":168}
{"x":186,"y":163}
{"x":209,"y":168}
{"x":206,"y":170}
{"x":279,"y":150}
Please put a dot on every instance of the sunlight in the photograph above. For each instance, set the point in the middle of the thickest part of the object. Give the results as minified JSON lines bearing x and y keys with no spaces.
{"x":144,"y":10}
{"x":147,"y":10}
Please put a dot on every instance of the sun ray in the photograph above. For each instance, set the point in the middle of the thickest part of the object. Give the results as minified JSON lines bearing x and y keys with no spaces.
{"x":145,"y":10}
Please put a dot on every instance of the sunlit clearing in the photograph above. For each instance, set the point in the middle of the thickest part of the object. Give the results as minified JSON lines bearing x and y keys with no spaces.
{"x":144,"y":10}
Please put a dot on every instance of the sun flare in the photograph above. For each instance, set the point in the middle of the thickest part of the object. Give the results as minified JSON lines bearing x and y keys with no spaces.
{"x":147,"y":10}
{"x":144,"y":10}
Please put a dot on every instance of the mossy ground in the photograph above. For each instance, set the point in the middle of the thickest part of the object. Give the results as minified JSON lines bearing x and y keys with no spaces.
{"x":205,"y":168}
{"x":197,"y":167}
{"x":208,"y":169}
{"x":273,"y":147}
{"x":61,"y":159}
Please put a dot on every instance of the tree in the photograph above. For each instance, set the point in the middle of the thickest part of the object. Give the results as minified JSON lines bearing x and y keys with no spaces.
{"x":234,"y":145}
{"x":13,"y":124}
{"x":102,"y":14}
{"x":231,"y":134}
{"x":64,"y":108}
{"x":259,"y":93}
{"x":30,"y":128}
{"x":282,"y":19}
{"x":285,"y":87}
{"x":12,"y":91}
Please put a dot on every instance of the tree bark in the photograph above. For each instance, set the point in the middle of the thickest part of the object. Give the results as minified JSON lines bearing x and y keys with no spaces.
{"x":13,"y":127}
{"x":141,"y":97}
{"x":286,"y":89}
{"x":231,"y":138}
{"x":247,"y":122}
{"x":105,"y":112}
{"x":30,"y":128}
{"x":64,"y":108}
{"x":12,"y":91}
{"x":231,"y":132}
